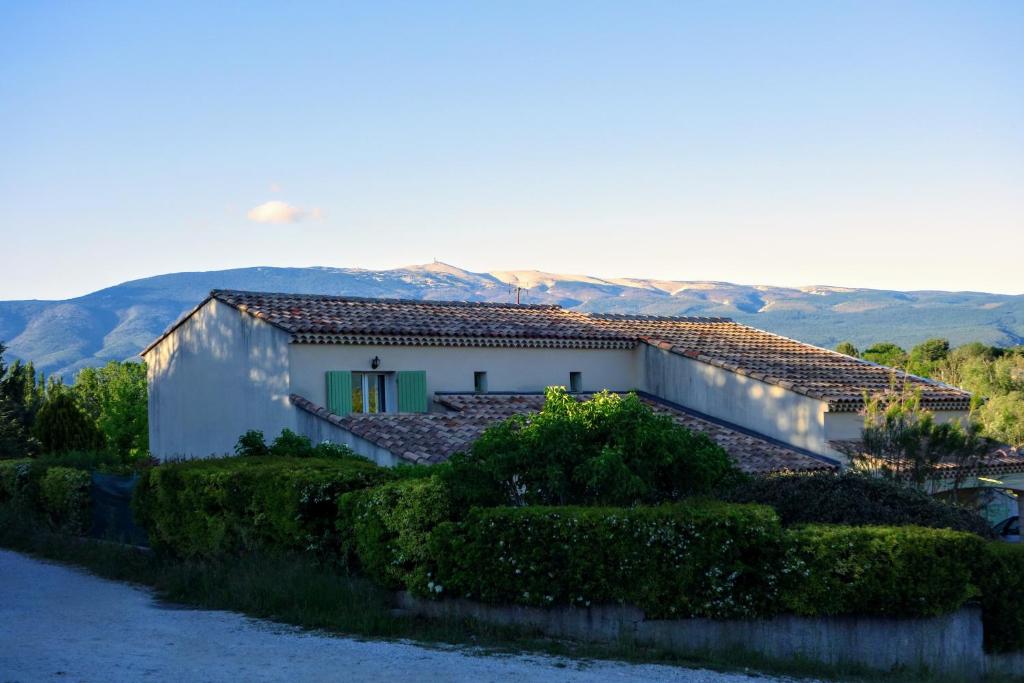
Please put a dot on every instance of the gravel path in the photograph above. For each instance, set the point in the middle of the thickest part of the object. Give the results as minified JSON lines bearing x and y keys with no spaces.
{"x":58,"y":623}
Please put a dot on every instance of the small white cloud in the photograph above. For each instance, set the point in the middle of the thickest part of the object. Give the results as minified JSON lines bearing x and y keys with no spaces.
{"x":276,"y":212}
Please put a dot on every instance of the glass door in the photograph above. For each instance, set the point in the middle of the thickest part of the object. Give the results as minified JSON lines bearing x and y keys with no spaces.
{"x":369,"y":392}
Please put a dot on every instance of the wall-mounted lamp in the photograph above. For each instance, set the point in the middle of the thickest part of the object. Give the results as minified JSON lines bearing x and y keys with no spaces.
{"x":375,"y":363}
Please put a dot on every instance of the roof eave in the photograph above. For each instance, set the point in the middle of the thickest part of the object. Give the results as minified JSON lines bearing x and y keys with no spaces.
{"x":175,"y":325}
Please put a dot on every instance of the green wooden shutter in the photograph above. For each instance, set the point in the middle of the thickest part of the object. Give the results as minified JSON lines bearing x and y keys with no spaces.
{"x":412,"y":391}
{"x":339,"y":392}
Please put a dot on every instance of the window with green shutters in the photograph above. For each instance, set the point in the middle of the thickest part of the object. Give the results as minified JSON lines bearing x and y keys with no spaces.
{"x":339,"y":392}
{"x":412,"y":391}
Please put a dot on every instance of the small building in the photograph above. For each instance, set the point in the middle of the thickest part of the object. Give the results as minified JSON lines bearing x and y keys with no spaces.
{"x":415,"y":381}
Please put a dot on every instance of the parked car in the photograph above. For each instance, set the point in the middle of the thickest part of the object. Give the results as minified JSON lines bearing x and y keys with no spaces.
{"x":1009,"y":529}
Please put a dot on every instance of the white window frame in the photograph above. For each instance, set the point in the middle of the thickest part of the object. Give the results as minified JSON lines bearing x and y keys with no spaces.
{"x":364,"y":387}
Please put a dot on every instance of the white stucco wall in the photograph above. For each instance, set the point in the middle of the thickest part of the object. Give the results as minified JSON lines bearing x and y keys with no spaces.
{"x":847,"y":426}
{"x":765,"y":408}
{"x":216,"y":376}
{"x":451,"y":369}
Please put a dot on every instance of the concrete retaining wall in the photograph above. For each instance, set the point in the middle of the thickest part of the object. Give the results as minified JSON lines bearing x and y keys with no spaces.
{"x":951,"y":644}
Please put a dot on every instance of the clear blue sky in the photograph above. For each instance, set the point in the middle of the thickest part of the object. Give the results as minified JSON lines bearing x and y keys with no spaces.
{"x":792,"y":143}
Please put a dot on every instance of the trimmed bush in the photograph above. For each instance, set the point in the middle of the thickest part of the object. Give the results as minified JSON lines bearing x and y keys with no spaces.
{"x":609,"y":450}
{"x":1000,"y":575}
{"x":231,"y":505}
{"x":106,"y":461}
{"x":15,"y":479}
{"x":700,"y":559}
{"x":387,"y":529}
{"x":883,"y":571}
{"x":855,"y":499}
{"x":64,"y":499}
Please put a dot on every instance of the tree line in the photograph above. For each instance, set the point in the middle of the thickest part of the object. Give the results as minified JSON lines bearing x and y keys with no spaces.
{"x":103,"y":409}
{"x":995,"y":375}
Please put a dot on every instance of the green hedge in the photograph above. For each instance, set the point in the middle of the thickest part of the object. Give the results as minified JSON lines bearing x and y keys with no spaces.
{"x":1000,"y":575}
{"x":64,"y":499}
{"x":854,"y":499}
{"x":388,"y":529}
{"x":230,"y":505}
{"x":885,"y":571}
{"x":60,"y":495}
{"x":15,"y":480}
{"x":707,"y":559}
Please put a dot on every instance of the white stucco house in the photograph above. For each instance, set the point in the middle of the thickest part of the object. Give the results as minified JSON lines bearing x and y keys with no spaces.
{"x":415,"y":381}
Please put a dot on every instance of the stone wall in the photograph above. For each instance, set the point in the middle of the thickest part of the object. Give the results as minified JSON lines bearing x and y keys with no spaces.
{"x":950,"y":644}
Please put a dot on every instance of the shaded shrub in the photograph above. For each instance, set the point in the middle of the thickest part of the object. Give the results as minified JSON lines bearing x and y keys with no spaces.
{"x":15,"y":480}
{"x":999,"y":574}
{"x":609,"y":450}
{"x":706,"y":559}
{"x":387,"y":528}
{"x":61,"y":426}
{"x":251,"y":443}
{"x":229,"y":505}
{"x":885,"y":571}
{"x":856,"y":499}
{"x":64,"y":499}
{"x":106,"y":461}
{"x":288,"y":444}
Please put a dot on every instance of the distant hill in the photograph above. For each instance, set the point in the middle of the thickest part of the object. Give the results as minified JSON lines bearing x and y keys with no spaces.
{"x":117,"y":322}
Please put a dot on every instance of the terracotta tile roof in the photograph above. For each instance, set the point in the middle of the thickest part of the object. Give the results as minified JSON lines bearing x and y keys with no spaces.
{"x":1001,"y":460}
{"x":835,"y":378}
{"x":320,"y":319}
{"x":825,"y":375}
{"x":433,"y":437}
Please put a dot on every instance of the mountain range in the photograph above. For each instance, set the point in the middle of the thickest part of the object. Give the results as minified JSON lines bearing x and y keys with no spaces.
{"x":117,"y":322}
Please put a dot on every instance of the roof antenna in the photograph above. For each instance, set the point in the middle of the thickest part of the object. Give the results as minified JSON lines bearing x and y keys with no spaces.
{"x":519,"y":291}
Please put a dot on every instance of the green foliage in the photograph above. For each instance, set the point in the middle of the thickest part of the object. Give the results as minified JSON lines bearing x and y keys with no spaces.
{"x":994,"y":375}
{"x":64,"y":499}
{"x":885,"y":571}
{"x":886,"y":353}
{"x":707,"y":559}
{"x":115,"y":398}
{"x":1003,"y":417}
{"x":203,"y":508}
{"x":288,"y":444}
{"x":15,"y":477}
{"x":15,"y":441}
{"x":62,"y":426}
{"x":608,"y":451}
{"x":389,"y":526}
{"x":855,"y":499}
{"x":252,"y":443}
{"x":93,"y":461}
{"x":1000,"y":575}
{"x":21,"y":394}
{"x":904,"y":442}
{"x":925,"y":357}
{"x":847,"y":348}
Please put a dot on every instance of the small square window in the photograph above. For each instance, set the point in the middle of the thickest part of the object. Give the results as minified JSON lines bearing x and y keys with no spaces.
{"x":480,"y":382}
{"x":575,"y":382}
